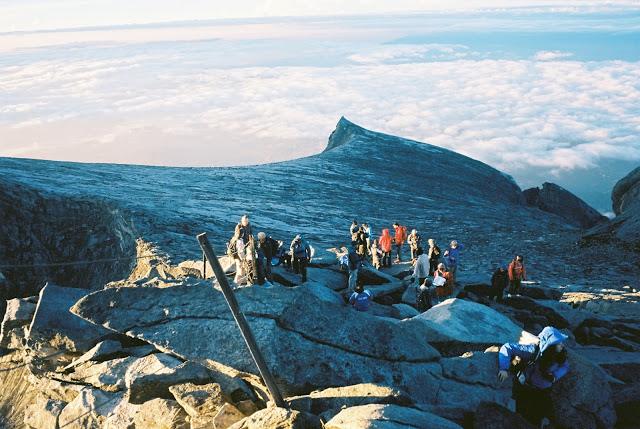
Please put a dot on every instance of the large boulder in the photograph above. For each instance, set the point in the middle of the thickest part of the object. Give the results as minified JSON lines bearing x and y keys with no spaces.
{"x":336,"y":398}
{"x":347,"y":346}
{"x":278,"y":418}
{"x":17,"y":316}
{"x":152,"y":376}
{"x":387,"y":416}
{"x":54,"y":327}
{"x":583,"y":398}
{"x":625,"y":199}
{"x":456,"y":325}
{"x":89,"y":409}
{"x":557,"y":200}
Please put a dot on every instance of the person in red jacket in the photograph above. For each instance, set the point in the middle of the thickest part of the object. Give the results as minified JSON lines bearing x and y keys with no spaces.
{"x":517,"y":273}
{"x":400,"y":236}
{"x":385,"y":245}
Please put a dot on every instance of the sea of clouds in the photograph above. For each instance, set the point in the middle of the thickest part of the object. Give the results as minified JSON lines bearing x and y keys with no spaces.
{"x":223,"y":95}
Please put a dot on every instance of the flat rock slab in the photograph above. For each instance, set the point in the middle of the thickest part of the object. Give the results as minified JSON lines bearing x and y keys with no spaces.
{"x":276,"y":418}
{"x":53,"y":325}
{"x":387,"y":416}
{"x":102,"y":351}
{"x":457,"y":322}
{"x":194,"y":322}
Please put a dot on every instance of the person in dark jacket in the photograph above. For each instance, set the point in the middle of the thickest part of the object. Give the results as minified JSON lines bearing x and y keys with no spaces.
{"x":434,"y":256}
{"x":360,"y":298}
{"x":361,"y":242}
{"x":301,"y":254}
{"x":536,"y":367}
{"x":499,"y":282}
{"x":423,"y":297}
{"x":267,"y":250}
{"x":355,"y":263}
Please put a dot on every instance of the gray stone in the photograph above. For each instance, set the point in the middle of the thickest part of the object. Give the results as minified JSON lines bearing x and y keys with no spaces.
{"x":108,"y":376}
{"x":449,"y":327}
{"x":318,"y":402}
{"x":89,"y":409}
{"x":55,"y":327}
{"x":332,"y":279}
{"x":406,"y":311}
{"x":490,"y":415}
{"x":160,"y":414}
{"x":17,"y":316}
{"x":44,"y":413}
{"x":151,"y":376}
{"x":278,"y":418}
{"x":227,"y":416}
{"x":102,"y":351}
{"x":557,"y":200}
{"x":387,"y":416}
{"x":287,"y":323}
{"x":200,"y":400}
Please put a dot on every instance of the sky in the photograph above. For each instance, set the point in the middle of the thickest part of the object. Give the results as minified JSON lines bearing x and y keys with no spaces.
{"x":542,"y":92}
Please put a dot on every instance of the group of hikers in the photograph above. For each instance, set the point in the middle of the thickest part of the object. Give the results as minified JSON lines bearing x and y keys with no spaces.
{"x":534,"y":368}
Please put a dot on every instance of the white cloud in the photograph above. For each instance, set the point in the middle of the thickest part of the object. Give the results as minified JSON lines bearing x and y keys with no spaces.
{"x":551,"y":55}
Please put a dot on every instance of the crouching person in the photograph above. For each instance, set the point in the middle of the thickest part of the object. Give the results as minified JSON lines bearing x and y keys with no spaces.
{"x":360,"y":298}
{"x":535,"y":368}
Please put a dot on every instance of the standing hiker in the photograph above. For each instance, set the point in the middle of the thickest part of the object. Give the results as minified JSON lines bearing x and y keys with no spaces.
{"x":361,"y":242}
{"x":385,"y":246}
{"x":355,"y":263}
{"x":499,"y":282}
{"x":452,"y":258}
{"x":421,"y":269}
{"x":434,"y":256}
{"x":375,"y":255}
{"x":360,"y":298}
{"x":301,"y":254}
{"x":400,"y":236}
{"x":243,"y":229}
{"x":414,"y":244}
{"x":267,"y":249}
{"x":353,"y":229}
{"x":368,"y":237}
{"x":536,"y":367}
{"x":517,"y":273}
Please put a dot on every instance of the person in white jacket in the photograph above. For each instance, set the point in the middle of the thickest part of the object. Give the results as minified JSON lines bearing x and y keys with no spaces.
{"x":421,"y":269}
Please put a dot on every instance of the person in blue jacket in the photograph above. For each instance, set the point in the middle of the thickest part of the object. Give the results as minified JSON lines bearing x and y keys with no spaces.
{"x":452,"y":258}
{"x":360,"y":298}
{"x":536,"y":367}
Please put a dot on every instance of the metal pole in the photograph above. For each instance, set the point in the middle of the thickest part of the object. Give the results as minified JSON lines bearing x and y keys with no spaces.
{"x":204,"y":265}
{"x":245,"y":329}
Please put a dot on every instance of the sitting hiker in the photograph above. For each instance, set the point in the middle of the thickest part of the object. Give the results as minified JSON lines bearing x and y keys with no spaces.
{"x":283,"y":255}
{"x":452,"y":258}
{"x":421,"y":269}
{"x":499,"y":282}
{"x":536,"y":367}
{"x":360,"y":298}
{"x":423,"y":297}
{"x":266,"y":251}
{"x":414,"y":244}
{"x":385,"y":247}
{"x":442,"y":281}
{"x":355,"y":263}
{"x":301,"y":254}
{"x":517,"y":273}
{"x":375,"y":255}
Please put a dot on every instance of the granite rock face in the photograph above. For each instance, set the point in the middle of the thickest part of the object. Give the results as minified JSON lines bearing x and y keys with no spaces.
{"x":557,"y":200}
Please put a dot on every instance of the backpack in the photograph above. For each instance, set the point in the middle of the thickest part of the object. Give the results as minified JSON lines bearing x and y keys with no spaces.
{"x":436,"y":252}
{"x":274,"y":245}
{"x":524,"y":370}
{"x":232,"y":249}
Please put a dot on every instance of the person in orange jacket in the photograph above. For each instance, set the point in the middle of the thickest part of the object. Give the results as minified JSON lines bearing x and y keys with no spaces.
{"x":385,"y":245}
{"x":517,"y":273}
{"x":400,"y":236}
{"x":443,"y":281}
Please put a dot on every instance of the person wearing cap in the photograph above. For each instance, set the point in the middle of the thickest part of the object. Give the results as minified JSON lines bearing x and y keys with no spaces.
{"x":535,"y":369}
{"x":517,"y":273}
{"x":499,"y":282}
{"x":360,"y":299}
{"x":452,"y":258}
{"x":267,"y":249}
{"x":301,"y":254}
